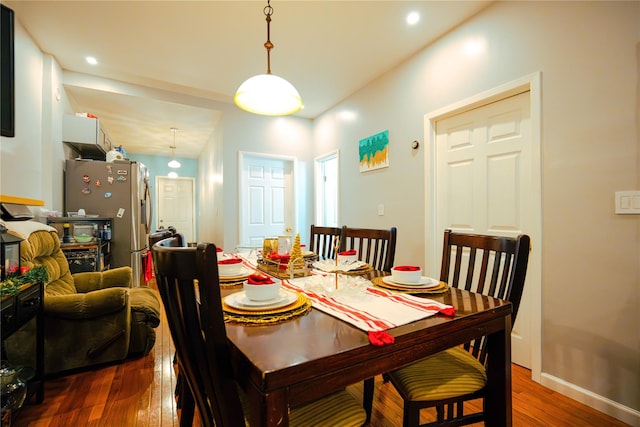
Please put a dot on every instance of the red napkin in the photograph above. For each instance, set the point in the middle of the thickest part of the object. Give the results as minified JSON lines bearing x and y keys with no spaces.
{"x":347,"y":253}
{"x":219,"y":250}
{"x":283,"y":259}
{"x":230,"y":261}
{"x":380,"y":338}
{"x":279,"y":257}
{"x":406,"y":268}
{"x":449,"y":311}
{"x":259,"y":279}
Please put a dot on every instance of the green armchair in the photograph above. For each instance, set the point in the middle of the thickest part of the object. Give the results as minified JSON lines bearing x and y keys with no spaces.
{"x":90,"y":318}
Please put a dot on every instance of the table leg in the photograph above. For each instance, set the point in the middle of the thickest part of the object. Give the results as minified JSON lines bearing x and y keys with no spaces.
{"x":273,"y":408}
{"x":498,"y":401}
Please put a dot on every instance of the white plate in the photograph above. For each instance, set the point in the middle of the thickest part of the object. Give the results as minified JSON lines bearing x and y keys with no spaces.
{"x":240,"y":301}
{"x":425,"y":282}
{"x":244,"y":271}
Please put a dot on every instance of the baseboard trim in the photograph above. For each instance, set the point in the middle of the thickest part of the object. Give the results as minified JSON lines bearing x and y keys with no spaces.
{"x":589,"y":398}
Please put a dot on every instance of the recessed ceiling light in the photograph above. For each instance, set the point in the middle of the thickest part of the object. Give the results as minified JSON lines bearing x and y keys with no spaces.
{"x":413,"y":18}
{"x":91,"y":60}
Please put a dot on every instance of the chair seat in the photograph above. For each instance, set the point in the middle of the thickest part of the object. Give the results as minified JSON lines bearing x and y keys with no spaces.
{"x":450,"y":373}
{"x":337,"y":409}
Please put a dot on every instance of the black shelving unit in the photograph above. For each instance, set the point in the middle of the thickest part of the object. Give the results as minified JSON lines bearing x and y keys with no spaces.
{"x":94,"y":255}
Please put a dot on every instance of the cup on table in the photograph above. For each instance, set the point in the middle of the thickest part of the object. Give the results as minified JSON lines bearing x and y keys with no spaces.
{"x":406,"y":273}
{"x":347,"y":257}
{"x":284,"y":244}
{"x":261,"y":287}
{"x":269,"y":245}
{"x":229,"y":266}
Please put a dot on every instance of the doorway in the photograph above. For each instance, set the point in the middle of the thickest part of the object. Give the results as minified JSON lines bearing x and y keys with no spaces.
{"x":327,"y":196}
{"x":176,"y":205}
{"x":267,"y":207}
{"x":484,"y":157}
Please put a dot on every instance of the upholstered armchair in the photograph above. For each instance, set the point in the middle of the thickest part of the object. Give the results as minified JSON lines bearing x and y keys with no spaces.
{"x":89,"y":318}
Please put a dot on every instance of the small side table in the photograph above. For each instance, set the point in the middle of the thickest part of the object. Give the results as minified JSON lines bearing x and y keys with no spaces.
{"x":16,"y":311}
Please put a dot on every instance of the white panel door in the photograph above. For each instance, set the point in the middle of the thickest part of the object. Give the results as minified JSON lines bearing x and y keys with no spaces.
{"x":176,"y":205}
{"x":484,"y":183}
{"x":327,"y":197}
{"x":266,"y":207}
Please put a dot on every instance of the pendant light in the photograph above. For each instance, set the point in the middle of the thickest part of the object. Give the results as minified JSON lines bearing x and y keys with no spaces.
{"x":174,"y":163}
{"x":268,"y":94}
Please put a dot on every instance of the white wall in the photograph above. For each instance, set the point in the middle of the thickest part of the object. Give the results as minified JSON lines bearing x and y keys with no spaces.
{"x":29,"y":160}
{"x":587,"y":54}
{"x":210,"y":178}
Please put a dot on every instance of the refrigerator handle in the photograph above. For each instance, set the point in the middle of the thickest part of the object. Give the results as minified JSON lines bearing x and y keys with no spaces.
{"x":148,"y":206}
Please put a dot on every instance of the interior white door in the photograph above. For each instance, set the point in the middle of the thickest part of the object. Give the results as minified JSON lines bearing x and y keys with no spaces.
{"x":484,"y":179}
{"x":266,"y":202}
{"x":327,"y":187}
{"x":176,"y":205}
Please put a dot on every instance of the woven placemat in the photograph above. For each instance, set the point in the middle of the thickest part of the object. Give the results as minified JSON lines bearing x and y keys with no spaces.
{"x":268,"y":317}
{"x":440,"y":289}
{"x":231,"y":283}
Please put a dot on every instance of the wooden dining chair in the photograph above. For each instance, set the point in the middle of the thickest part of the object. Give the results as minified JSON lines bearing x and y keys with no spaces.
{"x":322,"y":241}
{"x":184,"y":397}
{"x":375,"y":247}
{"x":190,"y":290}
{"x":489,"y":265}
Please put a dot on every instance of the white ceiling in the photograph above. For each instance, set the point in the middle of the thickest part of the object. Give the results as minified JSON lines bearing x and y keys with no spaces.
{"x":327,"y":49}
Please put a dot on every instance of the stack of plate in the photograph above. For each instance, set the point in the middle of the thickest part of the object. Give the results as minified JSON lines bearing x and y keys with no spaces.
{"x":240,"y":301}
{"x":423,"y":283}
{"x":236,"y":279}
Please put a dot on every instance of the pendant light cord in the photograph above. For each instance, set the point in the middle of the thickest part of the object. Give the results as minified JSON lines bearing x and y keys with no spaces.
{"x":268,"y":11}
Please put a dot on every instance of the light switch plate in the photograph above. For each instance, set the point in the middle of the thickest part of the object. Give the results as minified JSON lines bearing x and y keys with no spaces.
{"x":380,"y":209}
{"x":628,"y":202}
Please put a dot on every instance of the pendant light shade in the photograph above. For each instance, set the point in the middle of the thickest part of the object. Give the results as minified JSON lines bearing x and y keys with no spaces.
{"x":268,"y":94}
{"x":174,"y":164}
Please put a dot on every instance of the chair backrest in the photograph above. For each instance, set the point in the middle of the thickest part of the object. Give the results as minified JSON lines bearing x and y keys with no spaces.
{"x":188,"y":282}
{"x":489,"y":265}
{"x":159,"y":235}
{"x":375,"y":247}
{"x":322,"y":241}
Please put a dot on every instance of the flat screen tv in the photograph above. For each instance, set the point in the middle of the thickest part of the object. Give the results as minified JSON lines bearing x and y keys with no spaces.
{"x":7,"y":84}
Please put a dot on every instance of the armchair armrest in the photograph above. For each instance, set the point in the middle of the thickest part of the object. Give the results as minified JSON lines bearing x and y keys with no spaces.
{"x":87,"y":305}
{"x":118,"y":277}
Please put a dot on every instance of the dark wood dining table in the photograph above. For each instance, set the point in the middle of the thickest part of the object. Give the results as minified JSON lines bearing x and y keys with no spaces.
{"x":305,"y":358}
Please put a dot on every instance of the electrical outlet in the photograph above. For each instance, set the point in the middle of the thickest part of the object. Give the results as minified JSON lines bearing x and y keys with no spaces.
{"x":628,"y":202}
{"x":380,"y":209}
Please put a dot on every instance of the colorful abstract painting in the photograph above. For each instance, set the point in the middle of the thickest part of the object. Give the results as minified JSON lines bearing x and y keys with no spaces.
{"x":374,"y":151}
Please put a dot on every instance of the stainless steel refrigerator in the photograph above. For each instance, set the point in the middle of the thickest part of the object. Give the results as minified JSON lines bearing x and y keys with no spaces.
{"x":118,"y":190}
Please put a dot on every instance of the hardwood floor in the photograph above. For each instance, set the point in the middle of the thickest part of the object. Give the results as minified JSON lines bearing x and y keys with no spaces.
{"x":139,"y":393}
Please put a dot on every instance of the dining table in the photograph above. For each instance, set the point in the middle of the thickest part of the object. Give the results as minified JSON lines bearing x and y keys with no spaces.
{"x":293,"y":362}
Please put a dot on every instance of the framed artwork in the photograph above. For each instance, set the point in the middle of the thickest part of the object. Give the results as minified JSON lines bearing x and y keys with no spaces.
{"x":374,"y":151}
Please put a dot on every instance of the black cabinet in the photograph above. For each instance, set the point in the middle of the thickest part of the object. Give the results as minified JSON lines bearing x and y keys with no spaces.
{"x":16,"y":311}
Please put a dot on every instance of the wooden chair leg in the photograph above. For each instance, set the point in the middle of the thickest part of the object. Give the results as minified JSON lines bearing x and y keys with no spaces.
{"x":367,"y":396}
{"x":188,"y":406}
{"x":411,"y":416}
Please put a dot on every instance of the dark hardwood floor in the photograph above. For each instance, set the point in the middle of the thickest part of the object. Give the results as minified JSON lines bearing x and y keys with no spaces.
{"x":139,"y":392}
